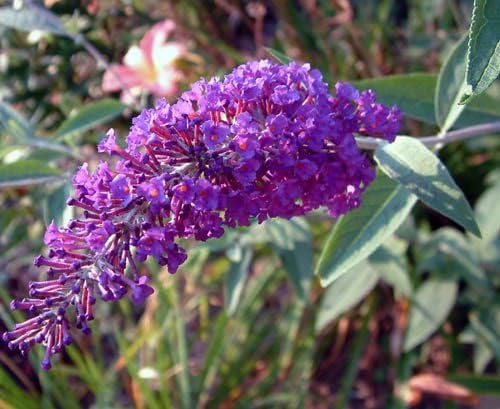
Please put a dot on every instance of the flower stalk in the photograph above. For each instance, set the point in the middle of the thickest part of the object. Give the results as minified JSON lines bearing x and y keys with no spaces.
{"x":436,"y":140}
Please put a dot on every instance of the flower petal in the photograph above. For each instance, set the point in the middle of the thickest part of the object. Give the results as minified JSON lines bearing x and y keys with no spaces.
{"x":136,"y":59}
{"x":120,"y":77}
{"x":164,"y":56}
{"x":155,"y":37}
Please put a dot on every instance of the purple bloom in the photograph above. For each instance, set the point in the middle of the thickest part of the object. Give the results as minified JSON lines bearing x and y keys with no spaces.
{"x":185,"y":190}
{"x":283,"y":95}
{"x":176,"y":256}
{"x":121,"y":189}
{"x":153,"y":190}
{"x":246,"y":146}
{"x":52,"y":234}
{"x":347,"y":91}
{"x":81,"y":180}
{"x":214,"y":134}
{"x":151,"y":244}
{"x":277,"y":123}
{"x":206,"y":195}
{"x":108,"y":144}
{"x":267,"y":140}
{"x":246,"y":172}
{"x":97,"y":239}
{"x":141,"y":290}
{"x":305,"y":168}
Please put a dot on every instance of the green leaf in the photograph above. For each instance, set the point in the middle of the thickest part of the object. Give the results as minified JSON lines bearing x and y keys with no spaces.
{"x":486,"y":206}
{"x":483,"y":59}
{"x":181,"y":353}
{"x":483,"y":108}
{"x":214,"y":354}
{"x":432,"y":303}
{"x":90,"y":116}
{"x":448,"y":252}
{"x":55,"y":208}
{"x":482,"y":356}
{"x":219,"y":244}
{"x":484,"y":326}
{"x":15,"y":125}
{"x":279,"y":56}
{"x":418,"y":169}
{"x":345,"y":292}
{"x":31,"y":18}
{"x":235,"y":279}
{"x":480,"y":384}
{"x":291,"y":240}
{"x":11,"y":121}
{"x":384,"y":206}
{"x":280,"y":233}
{"x":450,"y":86}
{"x":298,"y":259}
{"x":391,"y":268}
{"x":414,"y":95}
{"x":27,"y":172}
{"x":234,"y":252}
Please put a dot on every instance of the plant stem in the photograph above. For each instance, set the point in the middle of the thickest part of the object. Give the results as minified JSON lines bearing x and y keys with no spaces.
{"x":448,"y":137}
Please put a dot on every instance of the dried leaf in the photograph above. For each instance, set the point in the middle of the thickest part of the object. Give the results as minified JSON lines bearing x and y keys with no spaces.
{"x":437,"y":385}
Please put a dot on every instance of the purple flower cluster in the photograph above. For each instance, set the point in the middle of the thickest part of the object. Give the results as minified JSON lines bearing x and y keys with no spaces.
{"x":268,"y":140}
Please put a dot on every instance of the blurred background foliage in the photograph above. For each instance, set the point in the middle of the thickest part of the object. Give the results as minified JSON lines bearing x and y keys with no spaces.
{"x":244,"y":324}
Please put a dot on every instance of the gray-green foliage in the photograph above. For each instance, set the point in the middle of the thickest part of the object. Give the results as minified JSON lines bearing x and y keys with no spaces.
{"x":483,"y":58}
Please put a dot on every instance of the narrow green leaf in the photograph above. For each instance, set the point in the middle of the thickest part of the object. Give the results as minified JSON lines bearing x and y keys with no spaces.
{"x":480,"y":384}
{"x":298,"y":260}
{"x":384,"y":206}
{"x":432,"y":303}
{"x":234,"y":252}
{"x":392,"y":269}
{"x":289,"y":326}
{"x":235,"y":279}
{"x":345,"y":292}
{"x":278,"y":56}
{"x":448,"y":252}
{"x":482,"y":356}
{"x":17,"y":127}
{"x":54,"y":205}
{"x":414,"y":95}
{"x":180,"y":353}
{"x":220,"y":244}
{"x":90,"y":116}
{"x":486,"y":206}
{"x":27,"y":172}
{"x":413,"y":165}
{"x":349,"y":375}
{"x":213,"y":355}
{"x":485,"y":326}
{"x":31,"y":17}
{"x":450,"y":86}
{"x":279,"y":233}
{"x":483,"y":59}
{"x":482,"y":352}
{"x":11,"y":121}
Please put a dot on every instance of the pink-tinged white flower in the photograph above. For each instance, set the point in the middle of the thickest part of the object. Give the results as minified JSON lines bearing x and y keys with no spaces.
{"x":149,"y":67}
